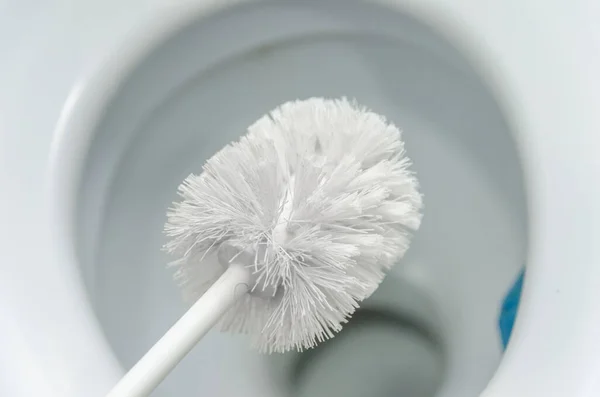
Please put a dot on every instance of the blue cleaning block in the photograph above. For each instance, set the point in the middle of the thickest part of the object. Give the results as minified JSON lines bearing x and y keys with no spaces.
{"x":508,"y":312}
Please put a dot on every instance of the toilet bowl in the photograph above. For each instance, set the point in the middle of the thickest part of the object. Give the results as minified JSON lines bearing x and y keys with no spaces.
{"x":499,"y":121}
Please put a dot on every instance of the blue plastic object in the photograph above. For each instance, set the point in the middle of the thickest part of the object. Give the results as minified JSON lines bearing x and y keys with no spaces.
{"x":508,"y":312}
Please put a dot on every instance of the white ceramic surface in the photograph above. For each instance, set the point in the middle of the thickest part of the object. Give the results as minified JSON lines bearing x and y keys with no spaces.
{"x":192,"y":96}
{"x":52,"y":344}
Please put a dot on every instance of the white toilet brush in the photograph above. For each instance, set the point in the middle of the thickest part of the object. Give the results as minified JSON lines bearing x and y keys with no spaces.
{"x":285,"y":231}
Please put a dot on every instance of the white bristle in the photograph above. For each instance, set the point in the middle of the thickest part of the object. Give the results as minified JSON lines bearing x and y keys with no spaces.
{"x":319,"y":196}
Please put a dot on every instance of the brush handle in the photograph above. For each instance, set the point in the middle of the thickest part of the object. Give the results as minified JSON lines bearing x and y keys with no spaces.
{"x":160,"y":360}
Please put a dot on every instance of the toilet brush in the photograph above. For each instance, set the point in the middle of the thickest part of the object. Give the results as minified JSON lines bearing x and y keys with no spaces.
{"x":285,"y":231}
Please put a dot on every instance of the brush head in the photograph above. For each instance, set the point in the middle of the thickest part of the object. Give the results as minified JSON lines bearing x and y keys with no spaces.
{"x":317,"y":200}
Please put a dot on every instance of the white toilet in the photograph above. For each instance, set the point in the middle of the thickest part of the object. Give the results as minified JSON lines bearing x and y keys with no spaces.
{"x":109,"y":105}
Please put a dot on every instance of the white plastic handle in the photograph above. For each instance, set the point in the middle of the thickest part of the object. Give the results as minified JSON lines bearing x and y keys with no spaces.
{"x":160,"y":360}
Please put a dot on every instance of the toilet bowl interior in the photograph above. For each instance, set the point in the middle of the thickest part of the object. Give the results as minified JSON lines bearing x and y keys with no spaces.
{"x":430,"y":330}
